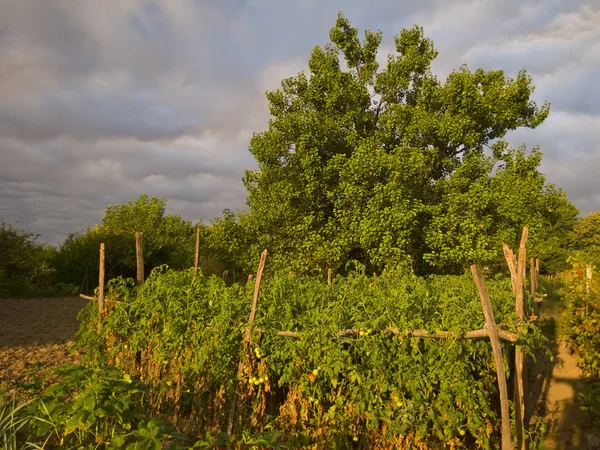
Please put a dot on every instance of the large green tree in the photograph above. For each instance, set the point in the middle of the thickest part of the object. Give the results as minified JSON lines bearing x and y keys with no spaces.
{"x":393,"y":165}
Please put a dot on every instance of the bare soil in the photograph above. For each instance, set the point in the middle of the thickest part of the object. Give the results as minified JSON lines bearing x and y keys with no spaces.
{"x":568,"y":424}
{"x":35,"y":334}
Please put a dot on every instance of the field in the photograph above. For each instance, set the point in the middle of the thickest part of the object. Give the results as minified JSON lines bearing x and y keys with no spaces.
{"x":35,"y":333}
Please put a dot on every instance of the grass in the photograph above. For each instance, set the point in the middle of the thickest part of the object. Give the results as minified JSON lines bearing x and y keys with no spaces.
{"x":553,"y":307}
{"x":11,"y":422}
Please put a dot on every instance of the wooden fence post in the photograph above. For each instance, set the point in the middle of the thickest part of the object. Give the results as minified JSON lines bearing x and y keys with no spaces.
{"x":520,"y":368}
{"x":101,"y":287}
{"x":492,"y":330}
{"x":246,"y":340}
{"x":139,"y":255}
{"x":329,"y":274}
{"x":532,"y":277}
{"x":197,"y":254}
{"x":512,"y":265}
{"x":588,"y":277}
{"x":521,"y":274}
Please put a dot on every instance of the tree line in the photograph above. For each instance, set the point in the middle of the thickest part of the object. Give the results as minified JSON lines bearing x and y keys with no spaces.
{"x":380,"y":165}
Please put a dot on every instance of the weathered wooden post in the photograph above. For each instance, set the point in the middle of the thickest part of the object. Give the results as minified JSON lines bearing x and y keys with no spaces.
{"x":492,"y":330}
{"x":246,"y":340}
{"x":520,"y":368}
{"x":512,"y":265}
{"x":101,"y":287}
{"x":532,"y":277}
{"x":588,"y":277}
{"x":139,"y":254}
{"x":329,"y":274}
{"x":197,"y":254}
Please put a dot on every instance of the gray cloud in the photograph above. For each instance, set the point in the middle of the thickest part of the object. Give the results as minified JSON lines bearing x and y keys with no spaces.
{"x":102,"y":101}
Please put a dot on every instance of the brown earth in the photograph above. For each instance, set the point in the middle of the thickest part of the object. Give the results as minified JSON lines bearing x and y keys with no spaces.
{"x":568,"y":424}
{"x":35,"y":334}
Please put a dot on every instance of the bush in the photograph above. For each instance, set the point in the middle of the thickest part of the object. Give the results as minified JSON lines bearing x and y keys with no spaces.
{"x":583,"y":328}
{"x":101,"y":407}
{"x":27,"y":267}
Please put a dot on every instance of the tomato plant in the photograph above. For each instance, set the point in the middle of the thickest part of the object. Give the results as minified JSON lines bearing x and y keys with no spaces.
{"x":182,"y":336}
{"x":583,"y":333}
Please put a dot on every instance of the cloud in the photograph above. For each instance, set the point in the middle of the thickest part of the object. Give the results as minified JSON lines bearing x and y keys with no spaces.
{"x":102,"y":101}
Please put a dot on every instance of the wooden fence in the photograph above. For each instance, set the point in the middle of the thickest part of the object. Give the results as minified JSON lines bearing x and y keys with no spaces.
{"x":518,"y":270}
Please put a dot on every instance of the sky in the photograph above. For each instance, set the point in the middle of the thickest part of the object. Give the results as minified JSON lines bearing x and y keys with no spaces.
{"x":102,"y":101}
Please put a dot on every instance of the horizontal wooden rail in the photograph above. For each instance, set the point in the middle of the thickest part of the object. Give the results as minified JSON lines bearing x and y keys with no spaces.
{"x":93,"y":299}
{"x":506,"y":335}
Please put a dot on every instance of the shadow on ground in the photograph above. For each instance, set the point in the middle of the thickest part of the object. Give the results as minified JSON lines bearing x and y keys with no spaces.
{"x":555,"y":390}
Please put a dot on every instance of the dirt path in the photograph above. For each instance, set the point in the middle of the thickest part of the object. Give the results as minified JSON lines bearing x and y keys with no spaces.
{"x":568,"y":425}
{"x":556,"y":385}
{"x":35,"y":334}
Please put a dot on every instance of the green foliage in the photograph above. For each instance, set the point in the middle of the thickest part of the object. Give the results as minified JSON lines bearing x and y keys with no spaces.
{"x":486,"y":202}
{"x":225,"y":245}
{"x":168,"y":239}
{"x":182,"y":336}
{"x":585,"y":238}
{"x":88,"y":407}
{"x":12,"y":421}
{"x":582,"y":319}
{"x":387,"y":166}
{"x":101,"y":407}
{"x":27,"y":266}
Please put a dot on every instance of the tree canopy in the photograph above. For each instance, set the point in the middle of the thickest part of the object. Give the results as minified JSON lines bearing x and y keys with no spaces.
{"x":393,"y":164}
{"x":585,"y":238}
{"x":168,"y":239}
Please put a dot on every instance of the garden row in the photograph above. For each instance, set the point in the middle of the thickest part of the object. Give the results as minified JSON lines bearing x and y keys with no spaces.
{"x":336,"y":376}
{"x":582,"y":295}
